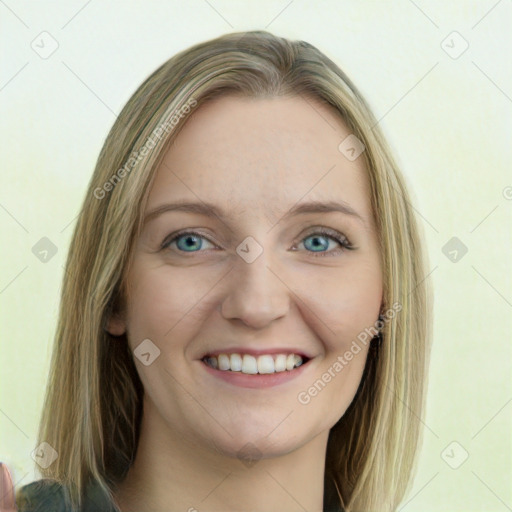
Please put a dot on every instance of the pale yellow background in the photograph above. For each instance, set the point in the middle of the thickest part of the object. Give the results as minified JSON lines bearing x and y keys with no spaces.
{"x":448,"y":120}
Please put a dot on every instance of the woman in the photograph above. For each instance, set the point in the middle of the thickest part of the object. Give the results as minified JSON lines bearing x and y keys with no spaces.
{"x":244,"y":323}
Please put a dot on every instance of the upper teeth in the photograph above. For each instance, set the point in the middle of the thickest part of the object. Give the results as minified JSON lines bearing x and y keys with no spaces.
{"x":249,"y":364}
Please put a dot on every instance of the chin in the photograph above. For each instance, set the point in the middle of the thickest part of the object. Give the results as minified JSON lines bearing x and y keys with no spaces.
{"x":250,"y":450}
{"x":260,"y":441}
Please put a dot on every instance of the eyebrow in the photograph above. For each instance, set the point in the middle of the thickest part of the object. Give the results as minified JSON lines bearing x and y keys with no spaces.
{"x":209,"y":209}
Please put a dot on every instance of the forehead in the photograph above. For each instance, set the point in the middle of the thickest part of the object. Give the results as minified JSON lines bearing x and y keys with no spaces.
{"x":254,"y":154}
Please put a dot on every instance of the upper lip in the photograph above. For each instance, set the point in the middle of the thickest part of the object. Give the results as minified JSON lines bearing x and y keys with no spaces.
{"x":258,"y":352}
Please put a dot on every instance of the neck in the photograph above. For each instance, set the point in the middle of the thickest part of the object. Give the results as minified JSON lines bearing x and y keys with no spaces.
{"x":171,"y":473}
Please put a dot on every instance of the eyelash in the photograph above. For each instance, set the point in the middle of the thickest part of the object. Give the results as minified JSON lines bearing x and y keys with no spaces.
{"x":328,"y":233}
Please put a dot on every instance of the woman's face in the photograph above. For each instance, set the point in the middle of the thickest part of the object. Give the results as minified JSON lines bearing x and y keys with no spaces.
{"x":257,"y":278}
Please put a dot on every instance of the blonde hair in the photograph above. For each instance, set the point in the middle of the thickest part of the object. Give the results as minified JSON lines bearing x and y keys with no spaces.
{"x":93,"y":403}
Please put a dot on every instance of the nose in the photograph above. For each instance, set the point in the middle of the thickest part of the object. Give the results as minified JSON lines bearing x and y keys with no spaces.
{"x":257,"y":294}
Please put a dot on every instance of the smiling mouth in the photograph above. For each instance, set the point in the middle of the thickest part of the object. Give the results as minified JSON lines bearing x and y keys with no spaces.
{"x":251,"y":365}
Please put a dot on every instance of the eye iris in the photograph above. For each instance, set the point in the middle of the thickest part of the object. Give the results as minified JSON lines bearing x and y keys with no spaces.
{"x":324,"y":245}
{"x":189,"y":245}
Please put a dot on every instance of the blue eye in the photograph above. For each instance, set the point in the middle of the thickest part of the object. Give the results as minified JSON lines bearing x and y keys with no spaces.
{"x":191,"y":241}
{"x":320,"y":241}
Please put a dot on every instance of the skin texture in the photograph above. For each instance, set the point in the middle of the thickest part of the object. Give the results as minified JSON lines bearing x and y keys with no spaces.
{"x":255,"y":158}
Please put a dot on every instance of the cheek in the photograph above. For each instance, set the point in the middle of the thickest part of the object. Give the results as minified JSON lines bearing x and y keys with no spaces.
{"x":341,"y":313}
{"x":157,"y":301}
{"x":342,"y":302}
{"x":350,"y":308}
{"x":359,"y":305}
{"x":166,"y":303}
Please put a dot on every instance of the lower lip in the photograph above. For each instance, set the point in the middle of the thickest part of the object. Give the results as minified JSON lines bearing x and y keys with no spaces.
{"x":257,"y":380}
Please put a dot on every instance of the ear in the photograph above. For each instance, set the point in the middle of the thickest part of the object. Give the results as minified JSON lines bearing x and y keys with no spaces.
{"x":116,"y":325}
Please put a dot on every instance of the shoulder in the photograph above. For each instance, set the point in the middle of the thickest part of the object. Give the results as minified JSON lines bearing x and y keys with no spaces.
{"x":42,"y":495}
{"x":48,"y":495}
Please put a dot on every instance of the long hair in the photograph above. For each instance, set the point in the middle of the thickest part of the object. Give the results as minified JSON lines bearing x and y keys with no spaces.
{"x":93,"y":403}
